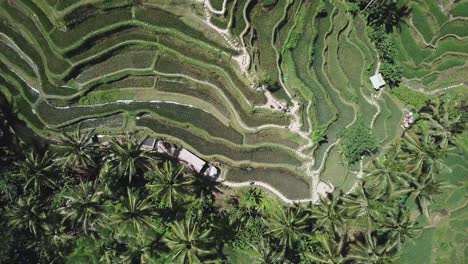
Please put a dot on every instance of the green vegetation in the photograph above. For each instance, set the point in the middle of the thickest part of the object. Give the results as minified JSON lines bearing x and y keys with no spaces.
{"x":358,"y":140}
{"x":196,"y":77}
{"x":411,"y":98}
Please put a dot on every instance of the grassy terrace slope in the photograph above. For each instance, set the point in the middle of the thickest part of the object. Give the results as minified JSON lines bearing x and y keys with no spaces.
{"x":191,"y":71}
{"x":432,"y":45}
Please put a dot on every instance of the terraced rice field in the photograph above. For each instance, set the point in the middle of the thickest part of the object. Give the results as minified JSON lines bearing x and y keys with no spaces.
{"x":432,"y":45}
{"x":192,"y":73}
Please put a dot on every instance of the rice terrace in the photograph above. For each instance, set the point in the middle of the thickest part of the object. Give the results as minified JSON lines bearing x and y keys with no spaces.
{"x":343,"y":106}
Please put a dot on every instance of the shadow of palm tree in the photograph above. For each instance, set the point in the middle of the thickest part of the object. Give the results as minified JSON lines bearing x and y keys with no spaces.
{"x":389,"y":15}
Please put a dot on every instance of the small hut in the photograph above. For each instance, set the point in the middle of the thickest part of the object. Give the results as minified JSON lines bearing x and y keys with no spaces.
{"x":377,"y":81}
{"x":193,"y":162}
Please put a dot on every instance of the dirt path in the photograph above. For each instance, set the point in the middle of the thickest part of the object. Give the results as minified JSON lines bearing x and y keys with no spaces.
{"x":267,"y":187}
{"x":436,"y":91}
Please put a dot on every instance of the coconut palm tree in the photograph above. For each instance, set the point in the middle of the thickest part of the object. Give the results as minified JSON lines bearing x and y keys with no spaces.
{"x":373,"y":250}
{"x":134,"y":213}
{"x":169,"y":183}
{"x":400,"y":227}
{"x":265,"y":253}
{"x":388,"y":172}
{"x":37,"y":171}
{"x":288,"y":225}
{"x":128,"y":158}
{"x":425,"y":188}
{"x":361,"y":203}
{"x":187,"y":242}
{"x":387,"y":13}
{"x":422,"y":152}
{"x":80,"y":150}
{"x":83,"y":205}
{"x":138,"y":249}
{"x":26,"y":214}
{"x":253,"y":200}
{"x":329,"y":216}
{"x":331,"y":253}
{"x":443,"y":121}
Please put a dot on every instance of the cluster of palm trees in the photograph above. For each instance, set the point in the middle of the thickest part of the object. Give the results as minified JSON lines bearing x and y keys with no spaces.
{"x":106,"y":193}
{"x":116,"y":203}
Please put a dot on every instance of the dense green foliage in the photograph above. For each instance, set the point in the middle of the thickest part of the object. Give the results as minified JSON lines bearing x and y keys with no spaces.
{"x":159,"y":68}
{"x":357,"y":141}
{"x":390,"y":68}
{"x":382,"y":17}
{"x":73,"y":210}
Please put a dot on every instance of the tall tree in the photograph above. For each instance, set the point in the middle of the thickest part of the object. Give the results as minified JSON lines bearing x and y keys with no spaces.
{"x":361,"y":203}
{"x":329,"y":216}
{"x":168,"y":183}
{"x":426,"y":187}
{"x":135,"y":213}
{"x":83,"y":205}
{"x":288,"y":225}
{"x":128,"y":158}
{"x":265,"y":253}
{"x":388,"y":172}
{"x":373,"y":250}
{"x":331,"y":253}
{"x":444,"y":118}
{"x":422,"y":152}
{"x":38,"y":171}
{"x":400,"y":228}
{"x":27,"y":214}
{"x":188,"y":242}
{"x":80,"y":150}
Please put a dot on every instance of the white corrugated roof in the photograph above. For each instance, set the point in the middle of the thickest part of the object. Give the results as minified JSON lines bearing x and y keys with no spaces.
{"x":192,"y":160}
{"x":377,"y":81}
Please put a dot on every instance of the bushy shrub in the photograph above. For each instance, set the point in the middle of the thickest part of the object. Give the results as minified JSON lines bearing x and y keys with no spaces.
{"x":358,"y":140}
{"x":319,"y":135}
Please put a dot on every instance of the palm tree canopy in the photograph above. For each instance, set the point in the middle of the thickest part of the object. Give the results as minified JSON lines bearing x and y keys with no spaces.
{"x":38,"y":171}
{"x":128,"y":158}
{"x":79,"y":149}
{"x":426,"y":187}
{"x":373,"y":250}
{"x":422,"y":152}
{"x":253,"y":200}
{"x":83,"y":205}
{"x":388,"y":172}
{"x":444,"y":118}
{"x":265,"y":253}
{"x":188,"y":243}
{"x":135,"y":212}
{"x":26,"y":214}
{"x":360,"y":203}
{"x":288,"y":225}
{"x":329,"y":215}
{"x":331,"y":252}
{"x":169,"y":183}
{"x":400,"y":227}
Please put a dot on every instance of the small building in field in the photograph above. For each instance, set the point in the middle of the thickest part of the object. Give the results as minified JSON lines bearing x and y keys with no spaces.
{"x":377,"y":81}
{"x":191,"y":160}
{"x":148,"y":144}
{"x":167,"y":148}
{"x":211,"y":171}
